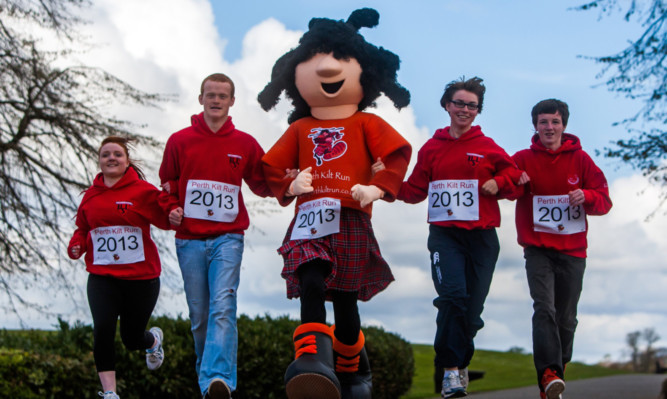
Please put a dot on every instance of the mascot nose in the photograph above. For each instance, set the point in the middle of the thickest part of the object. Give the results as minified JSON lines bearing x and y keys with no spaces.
{"x":329,"y":66}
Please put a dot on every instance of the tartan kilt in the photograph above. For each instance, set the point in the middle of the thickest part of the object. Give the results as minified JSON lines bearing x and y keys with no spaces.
{"x":353,"y":252}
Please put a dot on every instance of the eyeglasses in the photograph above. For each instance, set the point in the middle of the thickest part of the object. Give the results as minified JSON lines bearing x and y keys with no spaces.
{"x":460,"y":104}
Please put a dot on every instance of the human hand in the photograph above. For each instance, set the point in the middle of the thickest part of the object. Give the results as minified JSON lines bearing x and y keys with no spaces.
{"x":490,"y":187}
{"x":176,"y":216}
{"x":302,"y":184}
{"x":377,"y":166}
{"x":366,"y":194}
{"x":576,"y":197}
{"x":291,"y":173}
{"x":524,"y":178}
{"x":166,"y":187}
{"x":75,"y":251}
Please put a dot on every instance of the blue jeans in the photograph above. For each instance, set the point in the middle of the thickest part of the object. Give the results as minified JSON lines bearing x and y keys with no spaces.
{"x":555,"y":281}
{"x":462,"y":265}
{"x":211,"y":270}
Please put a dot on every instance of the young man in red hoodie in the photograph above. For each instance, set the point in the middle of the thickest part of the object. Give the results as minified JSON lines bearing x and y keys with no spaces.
{"x":565,"y":186}
{"x":204,"y":166}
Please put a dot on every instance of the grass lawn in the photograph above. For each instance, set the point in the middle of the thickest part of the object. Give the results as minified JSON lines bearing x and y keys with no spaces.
{"x":502,"y":370}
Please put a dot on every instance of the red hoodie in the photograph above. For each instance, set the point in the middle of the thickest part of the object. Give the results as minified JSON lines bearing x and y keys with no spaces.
{"x":113,"y":225}
{"x":208,"y":168}
{"x":553,"y":174}
{"x":453,"y":171}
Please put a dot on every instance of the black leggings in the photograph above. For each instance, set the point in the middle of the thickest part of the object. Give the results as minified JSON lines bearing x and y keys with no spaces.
{"x":131,"y":300}
{"x":313,"y":295}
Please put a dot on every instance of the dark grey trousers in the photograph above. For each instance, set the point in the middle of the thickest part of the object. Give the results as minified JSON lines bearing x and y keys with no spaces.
{"x":555,"y":282}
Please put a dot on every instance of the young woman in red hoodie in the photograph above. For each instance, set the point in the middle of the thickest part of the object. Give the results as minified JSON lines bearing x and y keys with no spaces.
{"x":463,"y":173}
{"x":565,"y":186}
{"x":113,"y":230}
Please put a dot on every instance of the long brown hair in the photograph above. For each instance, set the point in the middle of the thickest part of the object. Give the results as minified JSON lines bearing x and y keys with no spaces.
{"x":126,"y":144}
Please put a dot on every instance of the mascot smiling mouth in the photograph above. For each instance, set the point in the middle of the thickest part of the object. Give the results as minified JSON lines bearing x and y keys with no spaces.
{"x":332,"y":88}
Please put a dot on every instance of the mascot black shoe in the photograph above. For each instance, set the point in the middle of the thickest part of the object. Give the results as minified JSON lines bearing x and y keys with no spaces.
{"x":311,"y":375}
{"x":353,"y":369}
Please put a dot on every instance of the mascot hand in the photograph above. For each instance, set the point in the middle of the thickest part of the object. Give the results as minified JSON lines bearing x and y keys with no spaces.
{"x":366,"y":194}
{"x":302,"y":184}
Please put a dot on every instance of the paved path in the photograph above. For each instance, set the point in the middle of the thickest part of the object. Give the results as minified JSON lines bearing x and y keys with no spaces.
{"x":634,"y":386}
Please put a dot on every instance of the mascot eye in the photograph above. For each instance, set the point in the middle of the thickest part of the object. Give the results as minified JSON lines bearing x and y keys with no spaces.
{"x":331,"y":88}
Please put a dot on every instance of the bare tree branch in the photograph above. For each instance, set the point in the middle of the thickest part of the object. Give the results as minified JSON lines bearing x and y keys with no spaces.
{"x":51,"y":124}
{"x":639,"y":72}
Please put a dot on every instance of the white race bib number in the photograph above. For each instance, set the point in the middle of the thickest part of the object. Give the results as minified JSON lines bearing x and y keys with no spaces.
{"x":317,"y":218}
{"x":117,"y":245}
{"x":211,"y":200}
{"x":553,"y":214}
{"x":453,"y":200}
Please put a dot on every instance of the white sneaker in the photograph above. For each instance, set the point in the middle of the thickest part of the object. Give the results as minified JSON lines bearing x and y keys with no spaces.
{"x":464,"y":377}
{"x":155,"y":356}
{"x":109,"y":395}
{"x":451,"y":385}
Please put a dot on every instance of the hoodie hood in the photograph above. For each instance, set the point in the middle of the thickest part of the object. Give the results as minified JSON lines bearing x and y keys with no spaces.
{"x":128,"y":178}
{"x":199,"y":124}
{"x":443,"y":134}
{"x":569,"y":142}
{"x":99,"y":187}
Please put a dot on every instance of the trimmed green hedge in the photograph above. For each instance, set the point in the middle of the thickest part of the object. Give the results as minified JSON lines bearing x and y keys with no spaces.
{"x":59,"y":364}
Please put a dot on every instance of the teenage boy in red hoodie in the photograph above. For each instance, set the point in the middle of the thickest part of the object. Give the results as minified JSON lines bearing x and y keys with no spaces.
{"x":565,"y":186}
{"x":204,"y":165}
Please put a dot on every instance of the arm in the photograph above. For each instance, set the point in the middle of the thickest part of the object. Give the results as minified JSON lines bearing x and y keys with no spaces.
{"x":415,"y":189}
{"x":77,"y":244}
{"x":253,"y":174}
{"x":384,"y":142}
{"x":169,"y":173}
{"x":507,"y":176}
{"x":153,"y":211}
{"x":282,"y":156}
{"x":390,"y":179}
{"x":595,"y":190}
{"x":514,"y":190}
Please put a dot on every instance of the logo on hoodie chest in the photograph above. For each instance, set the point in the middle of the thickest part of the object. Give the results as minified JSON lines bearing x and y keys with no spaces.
{"x":474,"y":159}
{"x":234,"y":160}
{"x":123,"y":206}
{"x":573,"y":180}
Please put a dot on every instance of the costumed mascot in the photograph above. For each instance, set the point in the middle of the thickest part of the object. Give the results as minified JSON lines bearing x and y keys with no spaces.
{"x":330,"y":251}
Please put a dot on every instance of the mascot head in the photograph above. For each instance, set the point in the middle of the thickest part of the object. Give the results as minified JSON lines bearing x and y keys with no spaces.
{"x":334,"y":66}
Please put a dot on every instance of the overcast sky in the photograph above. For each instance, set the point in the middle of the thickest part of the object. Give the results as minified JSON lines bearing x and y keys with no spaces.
{"x":525,"y":51}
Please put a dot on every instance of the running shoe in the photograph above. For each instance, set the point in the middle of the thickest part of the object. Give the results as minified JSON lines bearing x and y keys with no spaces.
{"x":155,"y":355}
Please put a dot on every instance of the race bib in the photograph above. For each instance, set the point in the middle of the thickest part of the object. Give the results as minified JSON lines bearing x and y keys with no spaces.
{"x":553,"y":214}
{"x":453,"y":200}
{"x":317,"y":218}
{"x":211,"y":200}
{"x":117,"y":245}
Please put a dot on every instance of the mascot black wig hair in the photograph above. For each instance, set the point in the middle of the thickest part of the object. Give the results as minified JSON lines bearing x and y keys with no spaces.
{"x":379,"y":66}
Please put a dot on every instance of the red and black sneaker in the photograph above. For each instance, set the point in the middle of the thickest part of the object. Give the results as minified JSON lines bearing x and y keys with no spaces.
{"x":552,"y":384}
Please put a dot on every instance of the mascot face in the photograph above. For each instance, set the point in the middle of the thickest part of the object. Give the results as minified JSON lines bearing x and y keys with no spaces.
{"x":324,"y":81}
